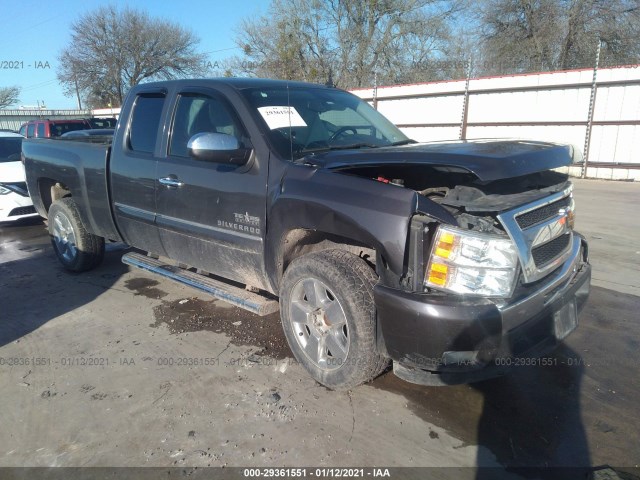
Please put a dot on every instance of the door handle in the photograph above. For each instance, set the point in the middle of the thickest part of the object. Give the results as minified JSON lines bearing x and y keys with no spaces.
{"x":171,"y":182}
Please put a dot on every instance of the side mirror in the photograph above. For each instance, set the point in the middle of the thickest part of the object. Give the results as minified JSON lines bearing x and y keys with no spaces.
{"x":218,"y":148}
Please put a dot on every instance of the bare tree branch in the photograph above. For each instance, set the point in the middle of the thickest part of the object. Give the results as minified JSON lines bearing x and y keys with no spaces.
{"x":112,"y":50}
{"x":525,"y":35}
{"x":9,"y":96}
{"x":349,"y":40}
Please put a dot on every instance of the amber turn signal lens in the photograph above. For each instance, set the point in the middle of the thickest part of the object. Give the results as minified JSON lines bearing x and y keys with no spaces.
{"x":438,"y":273}
{"x":445,"y":245}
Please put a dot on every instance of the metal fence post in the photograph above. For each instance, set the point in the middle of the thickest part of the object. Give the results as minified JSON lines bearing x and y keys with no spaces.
{"x":465,"y":105}
{"x":592,"y":104}
{"x":375,"y":89}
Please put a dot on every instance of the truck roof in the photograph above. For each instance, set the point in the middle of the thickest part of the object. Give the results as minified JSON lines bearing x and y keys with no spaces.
{"x":236,"y":82}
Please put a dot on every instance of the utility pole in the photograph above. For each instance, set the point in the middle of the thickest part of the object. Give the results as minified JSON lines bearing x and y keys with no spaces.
{"x":75,"y":79}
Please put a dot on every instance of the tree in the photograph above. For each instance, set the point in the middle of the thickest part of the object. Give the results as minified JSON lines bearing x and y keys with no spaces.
{"x":526,"y":35}
{"x":349,"y":41}
{"x":615,"y":22}
{"x":9,"y":96}
{"x":112,"y":50}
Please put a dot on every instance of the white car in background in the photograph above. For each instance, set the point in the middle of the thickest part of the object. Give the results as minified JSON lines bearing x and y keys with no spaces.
{"x":15,"y":202}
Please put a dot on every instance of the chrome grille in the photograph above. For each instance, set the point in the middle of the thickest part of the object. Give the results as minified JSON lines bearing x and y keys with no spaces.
{"x":541,"y":233}
{"x":546,"y":253}
{"x":541,"y":214}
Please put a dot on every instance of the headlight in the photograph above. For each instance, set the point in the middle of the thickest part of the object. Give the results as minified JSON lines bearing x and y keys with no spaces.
{"x":4,"y":190}
{"x":472,"y":263}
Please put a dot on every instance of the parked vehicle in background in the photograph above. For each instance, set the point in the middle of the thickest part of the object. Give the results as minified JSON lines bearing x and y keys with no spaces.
{"x":51,"y":128}
{"x":450,"y":259}
{"x":97,"y":122}
{"x":15,"y":202}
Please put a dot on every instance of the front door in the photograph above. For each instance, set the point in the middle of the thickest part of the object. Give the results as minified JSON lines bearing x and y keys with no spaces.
{"x":210,"y":215}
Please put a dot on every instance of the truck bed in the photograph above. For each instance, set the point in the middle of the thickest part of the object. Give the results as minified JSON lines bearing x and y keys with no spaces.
{"x":79,"y":166}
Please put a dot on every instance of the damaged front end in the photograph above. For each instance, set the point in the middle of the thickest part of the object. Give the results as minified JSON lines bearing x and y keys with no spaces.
{"x":523,"y":225}
{"x":504,"y":278}
{"x":498,"y":229}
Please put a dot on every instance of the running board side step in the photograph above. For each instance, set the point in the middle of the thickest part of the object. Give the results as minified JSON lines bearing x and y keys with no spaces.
{"x":237,"y":296}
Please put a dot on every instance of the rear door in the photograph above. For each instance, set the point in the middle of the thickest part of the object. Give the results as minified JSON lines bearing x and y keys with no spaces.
{"x":133,"y":171}
{"x":215,"y":218}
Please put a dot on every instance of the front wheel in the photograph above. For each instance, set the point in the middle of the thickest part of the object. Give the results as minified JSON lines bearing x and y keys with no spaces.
{"x":76,"y":248}
{"x":328,"y":316}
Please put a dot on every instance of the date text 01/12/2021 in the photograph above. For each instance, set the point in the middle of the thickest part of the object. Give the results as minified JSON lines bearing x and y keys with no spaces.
{"x":316,"y":472}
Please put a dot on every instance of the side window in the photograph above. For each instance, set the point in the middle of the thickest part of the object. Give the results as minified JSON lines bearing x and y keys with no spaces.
{"x":200,"y":114}
{"x":31,"y":130}
{"x":23,"y":130}
{"x":40,"y":130}
{"x":144,"y":123}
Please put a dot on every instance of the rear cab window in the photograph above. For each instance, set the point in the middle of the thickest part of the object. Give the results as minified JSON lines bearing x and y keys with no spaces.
{"x":102,"y":122}
{"x":145,"y":120}
{"x":56,"y":129}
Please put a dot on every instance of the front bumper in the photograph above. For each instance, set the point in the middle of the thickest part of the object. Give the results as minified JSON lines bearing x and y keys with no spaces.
{"x":446,"y":339}
{"x":15,"y":207}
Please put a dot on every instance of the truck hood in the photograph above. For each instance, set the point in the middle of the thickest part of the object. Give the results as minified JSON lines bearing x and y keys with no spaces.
{"x":488,"y":160}
{"x":11,"y":172}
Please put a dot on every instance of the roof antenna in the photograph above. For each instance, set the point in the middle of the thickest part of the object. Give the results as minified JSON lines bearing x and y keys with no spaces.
{"x":289,"y":114}
{"x":330,"y":83}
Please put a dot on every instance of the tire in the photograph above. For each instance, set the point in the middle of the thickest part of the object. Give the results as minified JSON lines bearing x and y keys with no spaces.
{"x":326,"y":303}
{"x":76,"y":248}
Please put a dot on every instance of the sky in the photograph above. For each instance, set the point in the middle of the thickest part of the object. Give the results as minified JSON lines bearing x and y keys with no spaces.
{"x":33,"y":33}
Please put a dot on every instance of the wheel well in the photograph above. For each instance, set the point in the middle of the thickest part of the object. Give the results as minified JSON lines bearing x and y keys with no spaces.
{"x":300,"y":242}
{"x":50,"y":191}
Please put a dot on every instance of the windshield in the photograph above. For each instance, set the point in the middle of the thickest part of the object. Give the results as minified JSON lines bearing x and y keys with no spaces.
{"x":10,"y":148}
{"x":304,"y":121}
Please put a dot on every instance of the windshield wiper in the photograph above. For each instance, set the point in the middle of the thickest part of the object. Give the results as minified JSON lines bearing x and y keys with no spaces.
{"x":353,"y":145}
{"x":403,"y":142}
{"x":338,"y":147}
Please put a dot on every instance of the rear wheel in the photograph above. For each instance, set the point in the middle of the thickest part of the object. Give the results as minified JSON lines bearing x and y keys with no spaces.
{"x":76,"y":248}
{"x":328,"y":316}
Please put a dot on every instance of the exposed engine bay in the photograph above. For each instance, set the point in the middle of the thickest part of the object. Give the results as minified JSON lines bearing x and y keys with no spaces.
{"x":474,"y":203}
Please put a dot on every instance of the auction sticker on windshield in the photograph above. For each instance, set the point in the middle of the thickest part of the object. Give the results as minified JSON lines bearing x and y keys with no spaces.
{"x":279,"y":117}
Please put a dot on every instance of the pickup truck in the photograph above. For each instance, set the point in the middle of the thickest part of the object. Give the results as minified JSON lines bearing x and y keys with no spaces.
{"x":449,"y":260}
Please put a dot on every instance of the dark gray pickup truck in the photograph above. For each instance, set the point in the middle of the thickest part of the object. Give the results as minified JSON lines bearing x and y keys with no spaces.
{"x":450,"y":259}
